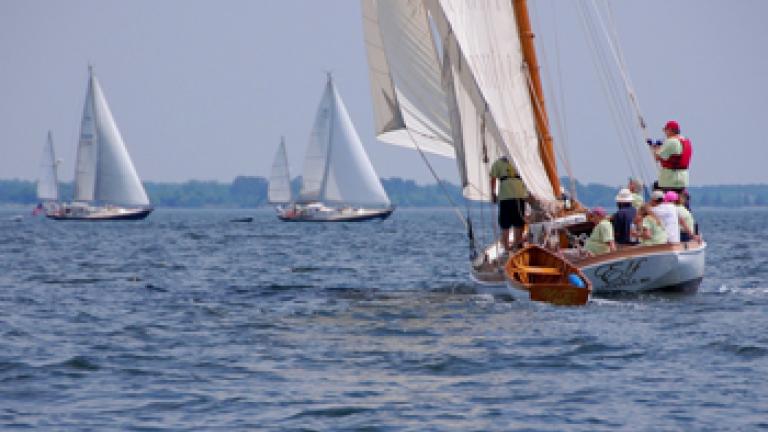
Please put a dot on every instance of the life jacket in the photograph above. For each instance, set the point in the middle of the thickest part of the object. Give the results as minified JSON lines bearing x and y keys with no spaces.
{"x":682,"y":160}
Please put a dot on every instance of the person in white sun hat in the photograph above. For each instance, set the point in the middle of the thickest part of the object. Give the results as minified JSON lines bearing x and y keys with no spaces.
{"x":624,"y":217}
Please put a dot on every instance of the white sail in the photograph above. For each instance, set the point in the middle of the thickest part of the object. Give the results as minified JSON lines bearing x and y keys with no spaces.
{"x":408,"y":99}
{"x":116,"y":178}
{"x":336,"y":168}
{"x":85,"y":165}
{"x":280,"y":180}
{"x":491,"y":93}
{"x":48,"y":182}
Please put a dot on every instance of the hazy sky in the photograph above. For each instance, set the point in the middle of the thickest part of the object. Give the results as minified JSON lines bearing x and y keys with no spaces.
{"x":204,"y":89}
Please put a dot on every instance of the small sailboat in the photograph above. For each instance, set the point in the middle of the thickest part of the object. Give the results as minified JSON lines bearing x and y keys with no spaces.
{"x":339,"y":183}
{"x":48,"y":180}
{"x":107,"y":186}
{"x":461,"y":79}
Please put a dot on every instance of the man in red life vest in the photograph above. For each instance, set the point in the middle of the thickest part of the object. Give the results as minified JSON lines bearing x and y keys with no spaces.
{"x":674,"y":155}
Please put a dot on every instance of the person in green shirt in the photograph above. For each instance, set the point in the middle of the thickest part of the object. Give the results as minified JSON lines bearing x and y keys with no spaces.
{"x":671,"y":179}
{"x":651,"y":231}
{"x":511,"y":197}
{"x":636,"y":187}
{"x":601,"y":240}
{"x":687,"y":223}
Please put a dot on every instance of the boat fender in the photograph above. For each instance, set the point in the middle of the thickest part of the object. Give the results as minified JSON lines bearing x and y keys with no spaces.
{"x":576,"y":281}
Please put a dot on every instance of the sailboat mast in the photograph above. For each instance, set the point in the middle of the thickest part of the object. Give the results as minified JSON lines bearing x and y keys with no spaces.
{"x":546,"y":148}
{"x":331,"y":111}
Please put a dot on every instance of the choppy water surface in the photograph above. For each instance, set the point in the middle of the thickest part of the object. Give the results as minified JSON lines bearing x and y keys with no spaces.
{"x":187,"y":321}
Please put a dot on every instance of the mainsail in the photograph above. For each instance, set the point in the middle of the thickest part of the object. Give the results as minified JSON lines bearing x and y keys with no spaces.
{"x":408,"y":99}
{"x":336,"y":168}
{"x":280,"y":180}
{"x":485,"y":85}
{"x":104,"y":171}
{"x":48,"y":182}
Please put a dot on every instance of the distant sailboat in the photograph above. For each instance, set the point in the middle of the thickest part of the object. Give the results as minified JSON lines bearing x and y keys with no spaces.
{"x":279,"y":192}
{"x":339,"y":183}
{"x":48,"y":180}
{"x":106,"y":184}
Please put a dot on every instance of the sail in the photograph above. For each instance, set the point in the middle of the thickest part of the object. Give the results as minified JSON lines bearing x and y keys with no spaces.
{"x":280,"y":179}
{"x":48,"y":182}
{"x":408,"y":99}
{"x":116,"y":179}
{"x":336,"y":168}
{"x":490,"y":99}
{"x":85,"y":165}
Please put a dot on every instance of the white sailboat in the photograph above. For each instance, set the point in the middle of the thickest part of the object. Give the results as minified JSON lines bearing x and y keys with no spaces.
{"x":107,"y":186}
{"x":460,"y":78}
{"x":339,"y":183}
{"x":48,"y":179}
{"x":279,"y":192}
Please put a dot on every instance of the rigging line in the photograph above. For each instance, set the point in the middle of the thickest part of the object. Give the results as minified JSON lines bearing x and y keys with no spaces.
{"x":561,"y":114}
{"x":621,"y":121}
{"x":619,"y":58}
{"x":439,"y":180}
{"x":539,"y":108}
{"x":604,"y":86}
{"x":562,"y":151}
{"x":627,"y":112}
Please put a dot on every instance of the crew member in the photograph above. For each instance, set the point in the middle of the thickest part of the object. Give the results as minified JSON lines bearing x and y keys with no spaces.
{"x":675,"y":156}
{"x":665,"y":209}
{"x":650,"y":229}
{"x":601,"y":240}
{"x":624,"y":217}
{"x":511,"y":197}
{"x":687,"y":223}
{"x":636,"y":188}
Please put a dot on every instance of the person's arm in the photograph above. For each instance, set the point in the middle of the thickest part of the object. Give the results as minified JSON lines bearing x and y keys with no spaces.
{"x":670,"y":147}
{"x":612,"y":246}
{"x":494,"y":198}
{"x":685,"y":226}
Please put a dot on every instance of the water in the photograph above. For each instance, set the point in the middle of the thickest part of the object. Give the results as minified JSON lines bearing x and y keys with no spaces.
{"x":187,"y":321}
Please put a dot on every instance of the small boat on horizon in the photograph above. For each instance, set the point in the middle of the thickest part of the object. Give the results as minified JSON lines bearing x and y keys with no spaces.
{"x":106,"y":185}
{"x":339,"y":183}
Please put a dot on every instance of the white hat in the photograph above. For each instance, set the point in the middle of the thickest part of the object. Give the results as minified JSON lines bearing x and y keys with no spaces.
{"x":624,"y":196}
{"x":657,"y":195}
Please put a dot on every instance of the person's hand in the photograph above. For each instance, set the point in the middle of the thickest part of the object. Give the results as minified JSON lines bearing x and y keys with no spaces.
{"x":494,"y":198}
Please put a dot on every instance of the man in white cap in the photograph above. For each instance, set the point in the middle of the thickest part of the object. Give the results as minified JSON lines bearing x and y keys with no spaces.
{"x":623,"y":218}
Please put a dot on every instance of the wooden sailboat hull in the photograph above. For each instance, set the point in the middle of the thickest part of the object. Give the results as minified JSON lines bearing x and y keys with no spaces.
{"x":631,"y":270}
{"x":103,"y":214}
{"x":357,"y":215}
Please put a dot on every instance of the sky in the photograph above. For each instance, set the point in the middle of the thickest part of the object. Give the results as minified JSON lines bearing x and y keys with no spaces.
{"x":204,"y":89}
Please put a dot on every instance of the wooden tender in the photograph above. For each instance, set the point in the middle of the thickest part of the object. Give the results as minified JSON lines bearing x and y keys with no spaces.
{"x":545,"y":276}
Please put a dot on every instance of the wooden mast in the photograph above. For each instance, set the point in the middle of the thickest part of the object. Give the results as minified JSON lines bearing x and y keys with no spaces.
{"x":546,"y":149}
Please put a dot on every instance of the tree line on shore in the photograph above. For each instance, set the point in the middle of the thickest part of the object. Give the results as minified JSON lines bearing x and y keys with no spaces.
{"x":251,"y":192}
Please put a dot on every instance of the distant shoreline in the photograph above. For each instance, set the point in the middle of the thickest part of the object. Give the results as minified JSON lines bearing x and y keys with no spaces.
{"x":251,"y":193}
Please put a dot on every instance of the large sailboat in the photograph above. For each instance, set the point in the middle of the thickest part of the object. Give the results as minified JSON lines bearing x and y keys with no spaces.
{"x":339,"y":183}
{"x":107,"y":186}
{"x":461,"y":79}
